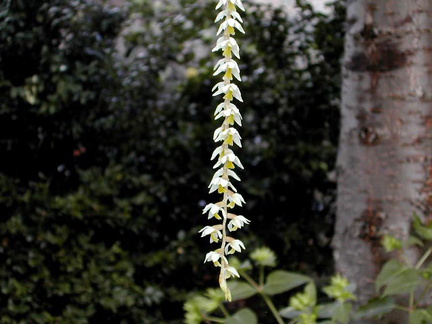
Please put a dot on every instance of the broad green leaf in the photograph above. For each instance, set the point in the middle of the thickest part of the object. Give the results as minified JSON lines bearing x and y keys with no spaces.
{"x":244,"y":316}
{"x":342,"y":313}
{"x":326,"y":310}
{"x":420,"y":316}
{"x":390,"y":270}
{"x":280,"y":281}
{"x":241,"y":290}
{"x":376,"y":307}
{"x":289,"y":312}
{"x":310,"y":291}
{"x":405,"y":282}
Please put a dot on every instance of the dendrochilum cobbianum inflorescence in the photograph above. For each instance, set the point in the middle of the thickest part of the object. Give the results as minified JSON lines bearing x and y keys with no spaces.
{"x":228,"y":136}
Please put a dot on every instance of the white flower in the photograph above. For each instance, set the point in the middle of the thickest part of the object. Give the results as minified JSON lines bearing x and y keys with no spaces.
{"x":214,"y":257}
{"x":234,"y":246}
{"x":217,"y":151}
{"x":217,"y":132}
{"x":230,"y":68}
{"x":235,"y":199}
{"x":238,"y":3}
{"x":221,"y":151}
{"x":226,"y":13}
{"x":230,"y":90}
{"x":219,"y":173}
{"x":229,"y":136}
{"x":228,"y":46}
{"x":230,"y":24}
{"x":231,"y":159}
{"x":233,"y":115}
{"x":226,"y":106}
{"x":215,"y":233}
{"x":237,"y":222}
{"x":213,"y":211}
{"x":231,"y":272}
{"x":221,"y":185}
{"x":231,"y":173}
{"x":228,"y":272}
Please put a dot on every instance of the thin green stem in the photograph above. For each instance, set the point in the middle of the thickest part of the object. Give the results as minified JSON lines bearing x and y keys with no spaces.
{"x":411,"y":301}
{"x":261,"y":276}
{"x":248,"y":278}
{"x":214,"y":319}
{"x":406,"y":309}
{"x":406,"y":260}
{"x":273,"y":309}
{"x":224,"y":310}
{"x":423,"y":258}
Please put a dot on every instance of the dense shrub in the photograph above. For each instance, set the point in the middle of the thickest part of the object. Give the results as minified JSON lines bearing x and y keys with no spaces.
{"x":105,"y":144}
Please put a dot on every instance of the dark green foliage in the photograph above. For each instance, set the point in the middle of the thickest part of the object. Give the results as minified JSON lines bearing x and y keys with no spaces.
{"x":59,"y":259}
{"x":105,"y":157}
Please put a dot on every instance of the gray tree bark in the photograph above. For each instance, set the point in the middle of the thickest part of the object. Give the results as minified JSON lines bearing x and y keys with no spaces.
{"x":385,"y":153}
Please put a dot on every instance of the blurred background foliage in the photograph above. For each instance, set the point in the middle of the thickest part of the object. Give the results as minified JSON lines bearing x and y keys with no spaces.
{"x":105,"y":139}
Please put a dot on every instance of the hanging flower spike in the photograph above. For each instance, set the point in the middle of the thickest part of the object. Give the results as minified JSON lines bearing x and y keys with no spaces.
{"x":227,"y":136}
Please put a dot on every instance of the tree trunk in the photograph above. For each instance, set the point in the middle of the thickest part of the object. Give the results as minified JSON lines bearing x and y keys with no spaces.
{"x":385,"y":152}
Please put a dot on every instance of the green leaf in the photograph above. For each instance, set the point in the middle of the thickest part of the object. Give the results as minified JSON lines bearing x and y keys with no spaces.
{"x":340,"y":289}
{"x":405,"y":282}
{"x":376,"y":307}
{"x":420,"y":316}
{"x":427,"y":272}
{"x":289,"y":312}
{"x":326,"y":310}
{"x":280,"y":281}
{"x":422,"y":230}
{"x":398,"y":278}
{"x":242,"y":317}
{"x":391,"y":243}
{"x":342,"y":313}
{"x":390,"y":270}
{"x":310,"y":291}
{"x":412,"y":241}
{"x":241,"y":290}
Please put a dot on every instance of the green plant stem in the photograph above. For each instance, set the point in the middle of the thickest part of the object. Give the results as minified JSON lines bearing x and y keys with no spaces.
{"x":266,"y":298}
{"x":423,"y":258}
{"x":404,"y":259}
{"x":224,"y":310}
{"x":405,"y":309}
{"x":250,"y":281}
{"x":272,"y":308}
{"x":261,"y":276}
{"x":214,"y":319}
{"x":411,"y":301}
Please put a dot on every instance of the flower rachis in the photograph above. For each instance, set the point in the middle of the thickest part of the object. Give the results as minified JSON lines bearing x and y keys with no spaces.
{"x":227,"y":136}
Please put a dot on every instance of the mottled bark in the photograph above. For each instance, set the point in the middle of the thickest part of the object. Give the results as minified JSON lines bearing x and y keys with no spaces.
{"x":385,"y":152}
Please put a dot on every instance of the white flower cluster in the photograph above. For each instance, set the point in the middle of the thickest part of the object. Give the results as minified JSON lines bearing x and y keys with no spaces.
{"x":228,"y":136}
